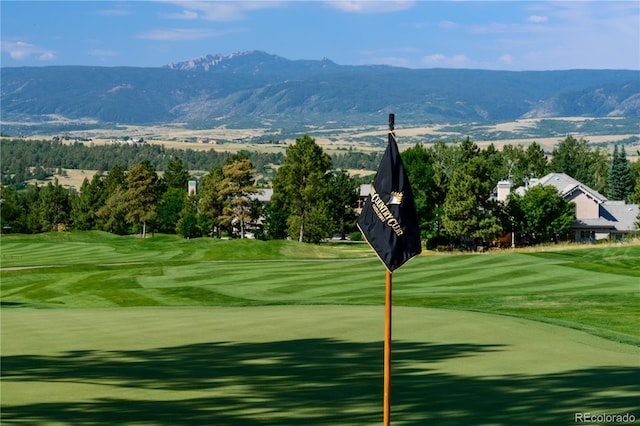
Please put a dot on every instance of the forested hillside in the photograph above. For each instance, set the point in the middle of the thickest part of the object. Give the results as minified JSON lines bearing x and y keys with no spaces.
{"x":255,"y":89}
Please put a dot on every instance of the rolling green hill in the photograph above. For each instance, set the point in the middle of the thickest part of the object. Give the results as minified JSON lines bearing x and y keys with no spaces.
{"x":591,"y":289}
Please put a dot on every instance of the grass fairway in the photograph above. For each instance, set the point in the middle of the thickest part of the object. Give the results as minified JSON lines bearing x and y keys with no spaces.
{"x":117,"y":330}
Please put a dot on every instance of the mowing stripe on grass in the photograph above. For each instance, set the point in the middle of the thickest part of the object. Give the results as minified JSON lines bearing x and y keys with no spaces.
{"x":548,"y":286}
{"x":292,"y":365}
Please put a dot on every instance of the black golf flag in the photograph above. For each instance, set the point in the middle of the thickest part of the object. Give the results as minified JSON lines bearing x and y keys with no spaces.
{"x":388,"y":219}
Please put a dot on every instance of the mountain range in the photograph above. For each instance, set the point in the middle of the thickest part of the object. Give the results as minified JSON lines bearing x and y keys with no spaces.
{"x":257,"y":89}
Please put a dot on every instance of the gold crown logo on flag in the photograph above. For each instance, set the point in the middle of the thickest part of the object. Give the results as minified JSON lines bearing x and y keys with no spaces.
{"x":396,"y":198}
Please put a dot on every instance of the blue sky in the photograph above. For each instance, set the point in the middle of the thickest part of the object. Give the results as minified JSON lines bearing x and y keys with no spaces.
{"x":506,"y":35}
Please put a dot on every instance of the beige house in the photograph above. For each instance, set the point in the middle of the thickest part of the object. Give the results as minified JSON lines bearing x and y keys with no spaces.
{"x":596,"y":217}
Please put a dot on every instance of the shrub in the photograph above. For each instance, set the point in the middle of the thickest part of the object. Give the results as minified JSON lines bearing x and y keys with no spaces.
{"x":355,"y":236}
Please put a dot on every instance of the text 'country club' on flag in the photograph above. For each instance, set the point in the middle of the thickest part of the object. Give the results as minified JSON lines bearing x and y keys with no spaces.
{"x":388,"y":219}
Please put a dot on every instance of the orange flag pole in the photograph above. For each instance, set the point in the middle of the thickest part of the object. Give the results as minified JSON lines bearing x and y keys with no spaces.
{"x":387,"y":352}
{"x":389,"y":223}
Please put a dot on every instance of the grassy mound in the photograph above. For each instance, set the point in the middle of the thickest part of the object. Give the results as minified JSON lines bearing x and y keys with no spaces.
{"x":94,"y":247}
{"x":594,"y":289}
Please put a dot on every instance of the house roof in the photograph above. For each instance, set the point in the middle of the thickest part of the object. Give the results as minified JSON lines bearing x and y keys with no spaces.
{"x":365,"y":189}
{"x":614,"y":215}
{"x":566,"y":185}
{"x":624,"y":215}
{"x":599,"y":223}
{"x":264,"y":195}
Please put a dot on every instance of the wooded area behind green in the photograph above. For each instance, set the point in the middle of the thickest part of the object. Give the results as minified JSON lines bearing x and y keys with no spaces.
{"x":312,"y":200}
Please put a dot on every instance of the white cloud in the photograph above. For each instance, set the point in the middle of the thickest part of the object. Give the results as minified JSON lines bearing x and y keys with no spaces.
{"x":506,"y":59}
{"x":585,"y":35}
{"x":448,"y":25}
{"x":368,"y":6}
{"x":395,"y":56}
{"x":185,"y":15}
{"x":180,"y":34}
{"x":114,"y":12}
{"x":20,"y":50}
{"x":220,"y":10}
{"x":103,"y":53}
{"x":394,"y":61}
{"x":537,"y":19}
{"x":502,"y":28}
{"x":440,"y":60}
{"x":46,"y":56}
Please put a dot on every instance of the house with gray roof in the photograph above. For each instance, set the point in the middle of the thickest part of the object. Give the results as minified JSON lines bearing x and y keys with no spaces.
{"x":596,"y":217}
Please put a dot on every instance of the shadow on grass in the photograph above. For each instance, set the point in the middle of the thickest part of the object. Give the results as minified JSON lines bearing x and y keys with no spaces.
{"x":4,"y":303}
{"x":307,"y":381}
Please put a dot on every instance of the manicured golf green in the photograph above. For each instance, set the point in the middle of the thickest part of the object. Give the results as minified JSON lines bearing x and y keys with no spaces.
{"x":117,"y":330}
{"x":291,"y":365}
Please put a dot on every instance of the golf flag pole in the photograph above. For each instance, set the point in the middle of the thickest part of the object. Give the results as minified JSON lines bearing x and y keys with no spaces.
{"x":386,"y":411}
{"x":389,"y":223}
{"x":386,"y":405}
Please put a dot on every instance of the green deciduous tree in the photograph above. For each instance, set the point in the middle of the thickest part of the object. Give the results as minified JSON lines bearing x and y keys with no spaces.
{"x":498,"y":162}
{"x":575,"y":158}
{"x":518,"y":164}
{"x":535,"y":161}
{"x":275,"y":222}
{"x":54,"y":207}
{"x":635,"y":177}
{"x":635,"y":194}
{"x":418,"y":164}
{"x":601,"y":159}
{"x":540,"y":215}
{"x":571,"y":157}
{"x":319,"y":223}
{"x":342,"y":197}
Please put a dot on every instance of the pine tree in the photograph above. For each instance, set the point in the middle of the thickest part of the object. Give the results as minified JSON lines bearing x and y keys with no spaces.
{"x":140,"y":197}
{"x":236,"y":188}
{"x":301,"y":181}
{"x":211,"y":203}
{"x":620,"y":181}
{"x":85,"y":206}
{"x":176,"y":175}
{"x":467,"y":212}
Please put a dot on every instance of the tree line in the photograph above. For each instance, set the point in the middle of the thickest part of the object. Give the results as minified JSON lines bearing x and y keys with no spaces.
{"x":312,"y":199}
{"x":25,"y":160}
